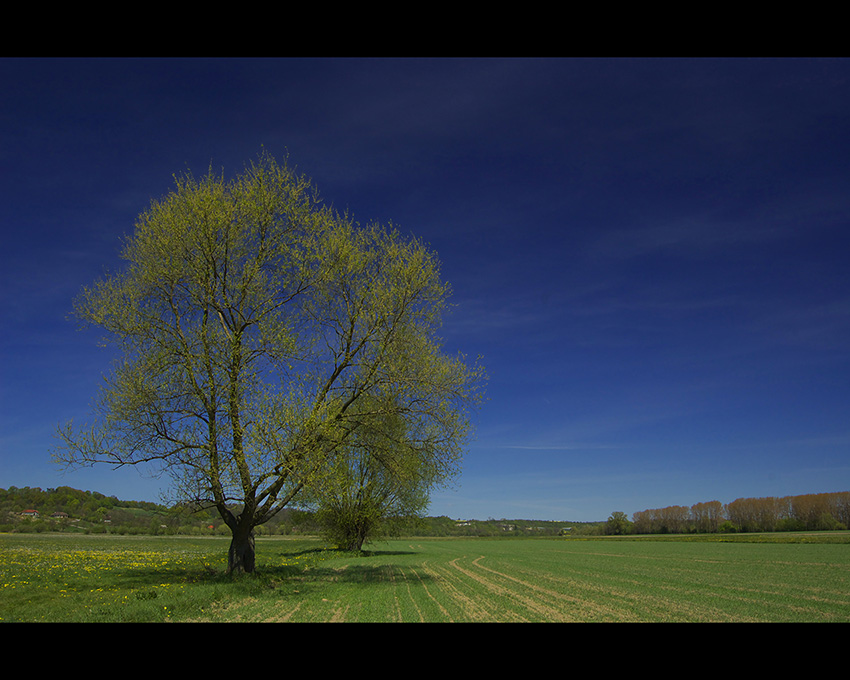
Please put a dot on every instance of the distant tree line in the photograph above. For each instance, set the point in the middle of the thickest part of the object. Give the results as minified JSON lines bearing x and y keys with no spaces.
{"x":807,"y":512}
{"x":65,"y":509}
{"x":89,"y":506}
{"x":492,"y":528}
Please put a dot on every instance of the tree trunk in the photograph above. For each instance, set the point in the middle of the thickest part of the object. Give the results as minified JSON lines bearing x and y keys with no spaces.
{"x":355,"y":538}
{"x":355,"y":544}
{"x":240,"y":557}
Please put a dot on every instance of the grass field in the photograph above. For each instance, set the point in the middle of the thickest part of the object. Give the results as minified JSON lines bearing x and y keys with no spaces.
{"x":779,"y":578}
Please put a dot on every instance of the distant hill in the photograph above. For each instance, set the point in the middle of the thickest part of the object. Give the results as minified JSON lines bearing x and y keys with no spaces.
{"x":32,"y":509}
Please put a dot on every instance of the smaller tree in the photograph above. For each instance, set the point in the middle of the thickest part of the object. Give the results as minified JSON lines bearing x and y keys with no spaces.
{"x":618,"y":524}
{"x":384,"y":476}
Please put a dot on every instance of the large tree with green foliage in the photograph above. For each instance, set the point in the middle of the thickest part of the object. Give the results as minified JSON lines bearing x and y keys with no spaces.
{"x":259,"y":332}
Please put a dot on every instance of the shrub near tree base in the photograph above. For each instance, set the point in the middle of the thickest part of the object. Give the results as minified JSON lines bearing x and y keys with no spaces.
{"x":349,"y":529}
{"x":380,"y":476}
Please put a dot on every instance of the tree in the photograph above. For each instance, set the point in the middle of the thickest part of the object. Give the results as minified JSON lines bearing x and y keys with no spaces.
{"x":707,"y":516}
{"x":259,"y":331}
{"x":618,"y":524}
{"x":383,"y":475}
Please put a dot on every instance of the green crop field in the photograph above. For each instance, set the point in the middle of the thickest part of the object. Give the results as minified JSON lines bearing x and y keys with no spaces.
{"x":778,"y":578}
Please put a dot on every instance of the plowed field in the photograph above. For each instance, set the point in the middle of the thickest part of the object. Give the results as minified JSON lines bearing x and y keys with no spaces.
{"x":46,"y":578}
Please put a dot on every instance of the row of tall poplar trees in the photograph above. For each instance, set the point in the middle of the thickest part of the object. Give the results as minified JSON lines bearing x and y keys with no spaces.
{"x":811,"y":512}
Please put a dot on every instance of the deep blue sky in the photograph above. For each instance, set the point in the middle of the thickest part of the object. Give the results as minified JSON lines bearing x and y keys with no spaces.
{"x":650,"y":255}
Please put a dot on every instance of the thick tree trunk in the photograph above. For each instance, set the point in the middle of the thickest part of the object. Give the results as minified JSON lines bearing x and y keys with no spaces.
{"x":354,"y":544}
{"x":241,"y":556}
{"x":355,"y":538}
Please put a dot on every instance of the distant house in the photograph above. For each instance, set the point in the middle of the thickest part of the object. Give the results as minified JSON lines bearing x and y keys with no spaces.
{"x":32,"y":514}
{"x":59,"y":515}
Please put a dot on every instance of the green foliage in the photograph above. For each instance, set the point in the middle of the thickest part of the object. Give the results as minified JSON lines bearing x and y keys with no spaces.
{"x":790,"y":524}
{"x":383,"y":475}
{"x":259,"y":330}
{"x":826,"y":522}
{"x":618,"y":524}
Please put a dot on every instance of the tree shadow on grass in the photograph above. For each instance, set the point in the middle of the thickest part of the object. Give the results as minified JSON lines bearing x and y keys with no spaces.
{"x":339,"y":552}
{"x":360,"y":566}
{"x":294,"y":570}
{"x":377,"y":553}
{"x":355,"y":573}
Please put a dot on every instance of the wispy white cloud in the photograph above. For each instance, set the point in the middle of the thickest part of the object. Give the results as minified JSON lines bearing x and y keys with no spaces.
{"x":558,"y":447}
{"x":694,"y":235}
{"x":823,"y":325}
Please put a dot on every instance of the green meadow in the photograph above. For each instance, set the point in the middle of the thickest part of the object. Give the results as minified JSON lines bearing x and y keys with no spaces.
{"x":742,"y":578}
